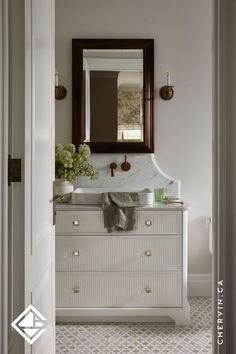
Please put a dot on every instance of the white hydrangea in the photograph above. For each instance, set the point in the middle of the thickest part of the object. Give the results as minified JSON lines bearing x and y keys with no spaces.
{"x":69,"y":164}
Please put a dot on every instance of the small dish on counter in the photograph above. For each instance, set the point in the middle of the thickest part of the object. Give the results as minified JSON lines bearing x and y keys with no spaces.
{"x":172,"y":200}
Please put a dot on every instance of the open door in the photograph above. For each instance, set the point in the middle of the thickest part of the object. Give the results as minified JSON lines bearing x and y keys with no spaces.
{"x":39,"y":168}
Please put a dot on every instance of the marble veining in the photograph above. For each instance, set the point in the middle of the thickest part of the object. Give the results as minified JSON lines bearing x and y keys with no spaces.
{"x":144,"y":173}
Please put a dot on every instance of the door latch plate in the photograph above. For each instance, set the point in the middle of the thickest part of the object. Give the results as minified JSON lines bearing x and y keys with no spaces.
{"x":14,"y":170}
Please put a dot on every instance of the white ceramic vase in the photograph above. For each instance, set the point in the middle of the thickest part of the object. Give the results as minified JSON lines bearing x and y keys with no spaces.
{"x":63,"y":188}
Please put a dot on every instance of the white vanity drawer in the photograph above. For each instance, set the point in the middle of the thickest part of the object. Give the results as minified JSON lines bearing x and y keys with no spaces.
{"x":77,"y":222}
{"x":91,"y":222}
{"x":107,"y":289}
{"x":118,"y":253}
{"x":159,"y":222}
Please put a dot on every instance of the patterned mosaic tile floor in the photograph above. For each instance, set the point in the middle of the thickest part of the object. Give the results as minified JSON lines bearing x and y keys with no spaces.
{"x":141,"y":338}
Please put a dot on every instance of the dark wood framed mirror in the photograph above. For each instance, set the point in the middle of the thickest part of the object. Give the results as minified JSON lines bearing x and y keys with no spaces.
{"x":113,"y":89}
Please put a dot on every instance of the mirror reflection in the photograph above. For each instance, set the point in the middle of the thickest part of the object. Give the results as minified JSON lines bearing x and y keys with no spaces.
{"x":113,"y":95}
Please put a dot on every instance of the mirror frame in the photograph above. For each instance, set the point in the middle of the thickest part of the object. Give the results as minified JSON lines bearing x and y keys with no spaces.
{"x":78,"y":123}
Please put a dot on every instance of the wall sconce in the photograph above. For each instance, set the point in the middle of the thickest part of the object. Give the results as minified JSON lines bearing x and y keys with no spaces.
{"x":167,"y":92}
{"x":60,"y":91}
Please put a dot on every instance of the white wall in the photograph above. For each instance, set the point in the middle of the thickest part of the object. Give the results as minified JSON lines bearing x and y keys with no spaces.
{"x":182,"y":30}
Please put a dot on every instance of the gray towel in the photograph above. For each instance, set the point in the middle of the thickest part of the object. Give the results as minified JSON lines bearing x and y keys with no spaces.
{"x":119,"y":210}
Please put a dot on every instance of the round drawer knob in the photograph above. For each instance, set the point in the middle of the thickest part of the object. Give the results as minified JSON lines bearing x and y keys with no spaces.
{"x":148,"y":223}
{"x":75,"y":253}
{"x":148,"y":253}
{"x":76,"y":290}
{"x":76,"y":222}
{"x":148,"y":290}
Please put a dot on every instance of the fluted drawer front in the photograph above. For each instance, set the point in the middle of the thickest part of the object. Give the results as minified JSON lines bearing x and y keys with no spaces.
{"x":107,"y":289}
{"x":159,"y":222}
{"x":77,"y":222}
{"x":91,"y":222}
{"x":118,"y":253}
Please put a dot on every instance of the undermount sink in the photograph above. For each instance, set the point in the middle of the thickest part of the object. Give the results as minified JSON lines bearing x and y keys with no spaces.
{"x":93,"y":196}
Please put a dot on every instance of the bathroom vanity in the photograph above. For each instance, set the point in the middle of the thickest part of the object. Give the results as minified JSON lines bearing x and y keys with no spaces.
{"x":132,"y":276}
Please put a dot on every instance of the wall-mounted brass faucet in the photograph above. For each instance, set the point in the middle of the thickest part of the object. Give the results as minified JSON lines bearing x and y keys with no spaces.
{"x":113,"y":167}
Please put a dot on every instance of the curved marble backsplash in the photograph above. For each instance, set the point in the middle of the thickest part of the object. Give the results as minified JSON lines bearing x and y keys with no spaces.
{"x":144,"y":173}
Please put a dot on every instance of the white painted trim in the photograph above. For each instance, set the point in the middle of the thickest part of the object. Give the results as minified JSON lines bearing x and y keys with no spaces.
{"x":4,"y":81}
{"x":16,"y":149}
{"x":220,"y":182}
{"x":200,"y":284}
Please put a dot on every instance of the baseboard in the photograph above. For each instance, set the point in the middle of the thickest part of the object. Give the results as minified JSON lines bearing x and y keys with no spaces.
{"x":200,"y":284}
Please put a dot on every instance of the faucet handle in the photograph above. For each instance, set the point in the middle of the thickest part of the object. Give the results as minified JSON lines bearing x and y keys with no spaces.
{"x":113,"y":167}
{"x":125,"y":165}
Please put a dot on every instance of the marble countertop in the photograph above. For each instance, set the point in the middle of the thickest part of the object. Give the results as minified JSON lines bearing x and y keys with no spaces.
{"x":156,"y":206}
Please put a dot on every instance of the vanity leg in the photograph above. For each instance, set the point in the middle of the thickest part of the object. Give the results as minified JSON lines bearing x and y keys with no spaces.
{"x":181,"y":316}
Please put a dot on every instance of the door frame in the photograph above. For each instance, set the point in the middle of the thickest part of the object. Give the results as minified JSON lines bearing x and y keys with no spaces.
{"x":221,"y":175}
{"x":224,"y":196}
{"x":4,"y":33}
{"x":4,"y":98}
